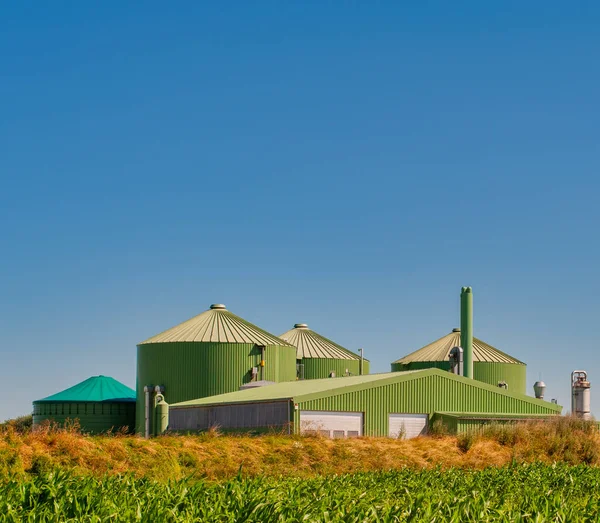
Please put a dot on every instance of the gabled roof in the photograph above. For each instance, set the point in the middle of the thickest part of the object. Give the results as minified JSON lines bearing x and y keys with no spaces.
{"x":216,"y":325}
{"x":440,"y":349}
{"x":309,"y":344}
{"x":94,"y":389}
{"x":307,"y":390}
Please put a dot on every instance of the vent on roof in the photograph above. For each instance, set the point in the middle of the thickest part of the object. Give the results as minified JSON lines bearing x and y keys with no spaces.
{"x":300,"y":326}
{"x":218,"y":306}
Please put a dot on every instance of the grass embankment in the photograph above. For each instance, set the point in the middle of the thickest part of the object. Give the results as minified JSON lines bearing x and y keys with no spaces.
{"x":218,"y":457}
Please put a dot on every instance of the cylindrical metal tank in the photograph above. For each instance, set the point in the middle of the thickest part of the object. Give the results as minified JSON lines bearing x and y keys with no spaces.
{"x":319,"y":357}
{"x":490,"y":365}
{"x":213,"y":353}
{"x":580,"y":395}
{"x":98,"y":404}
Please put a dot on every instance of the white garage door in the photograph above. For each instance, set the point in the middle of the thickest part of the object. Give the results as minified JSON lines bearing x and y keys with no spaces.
{"x":407,"y":425}
{"x":331,"y":424}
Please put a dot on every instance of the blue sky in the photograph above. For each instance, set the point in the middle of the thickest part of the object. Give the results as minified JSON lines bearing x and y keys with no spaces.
{"x":349,"y":165}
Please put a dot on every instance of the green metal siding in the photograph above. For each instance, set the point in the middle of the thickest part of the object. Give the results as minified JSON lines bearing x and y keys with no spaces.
{"x":424,"y":395}
{"x":315,"y":368}
{"x":93,"y":417}
{"x":513,"y":373}
{"x":191,"y":370}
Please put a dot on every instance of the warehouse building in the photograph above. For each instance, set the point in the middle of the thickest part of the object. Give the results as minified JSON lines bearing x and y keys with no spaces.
{"x":319,"y":357}
{"x":213,"y":353}
{"x":397,"y":404}
{"x":99,"y":404}
{"x":489,"y":364}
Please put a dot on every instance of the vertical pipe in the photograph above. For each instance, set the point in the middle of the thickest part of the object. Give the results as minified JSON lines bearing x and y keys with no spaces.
{"x":147,"y":390}
{"x":362,"y":361}
{"x":466,"y":329}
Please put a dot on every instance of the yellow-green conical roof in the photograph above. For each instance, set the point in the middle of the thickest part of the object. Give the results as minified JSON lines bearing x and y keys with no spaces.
{"x":440,"y":349}
{"x":309,"y":344}
{"x":216,"y":325}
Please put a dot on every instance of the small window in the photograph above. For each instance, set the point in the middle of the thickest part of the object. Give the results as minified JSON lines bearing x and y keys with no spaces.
{"x":338,"y":434}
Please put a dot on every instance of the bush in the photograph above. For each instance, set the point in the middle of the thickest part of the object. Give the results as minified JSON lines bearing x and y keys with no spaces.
{"x":22,"y":424}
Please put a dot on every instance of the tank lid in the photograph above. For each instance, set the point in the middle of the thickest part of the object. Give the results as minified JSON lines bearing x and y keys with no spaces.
{"x":218,"y":306}
{"x":456,"y":329}
{"x":300,"y":326}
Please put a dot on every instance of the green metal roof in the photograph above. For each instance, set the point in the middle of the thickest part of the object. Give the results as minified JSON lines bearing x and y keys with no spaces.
{"x":305,"y":390}
{"x":440,"y":349}
{"x":94,"y":389}
{"x":309,"y":344}
{"x":216,"y":325}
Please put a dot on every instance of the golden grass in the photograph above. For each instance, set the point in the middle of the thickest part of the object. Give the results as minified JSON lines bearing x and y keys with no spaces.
{"x":216,"y":457}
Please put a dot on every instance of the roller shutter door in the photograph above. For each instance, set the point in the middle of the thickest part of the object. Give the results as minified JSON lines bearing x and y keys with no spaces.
{"x":331,"y":424}
{"x":407,"y":425}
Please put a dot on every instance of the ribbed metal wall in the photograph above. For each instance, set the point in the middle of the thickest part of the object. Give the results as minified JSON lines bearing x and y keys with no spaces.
{"x":424,"y":396}
{"x":93,"y":417}
{"x":195,"y":370}
{"x":315,"y":368}
{"x":488,"y":372}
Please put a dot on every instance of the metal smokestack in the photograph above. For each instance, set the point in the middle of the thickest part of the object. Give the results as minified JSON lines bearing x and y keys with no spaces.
{"x":466,"y":329}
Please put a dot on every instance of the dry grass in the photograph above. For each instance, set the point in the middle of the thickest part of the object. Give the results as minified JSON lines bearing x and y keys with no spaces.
{"x":216,"y":457}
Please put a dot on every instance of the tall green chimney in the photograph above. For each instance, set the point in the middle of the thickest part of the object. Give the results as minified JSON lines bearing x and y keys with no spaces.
{"x":466,"y":329}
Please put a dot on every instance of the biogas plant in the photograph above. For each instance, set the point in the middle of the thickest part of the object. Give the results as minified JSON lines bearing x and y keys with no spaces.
{"x":217,"y":370}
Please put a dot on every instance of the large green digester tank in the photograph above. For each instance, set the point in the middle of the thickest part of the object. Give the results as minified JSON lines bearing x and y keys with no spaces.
{"x":98,"y":404}
{"x":490,"y":365}
{"x":213,"y":353}
{"x":319,"y":357}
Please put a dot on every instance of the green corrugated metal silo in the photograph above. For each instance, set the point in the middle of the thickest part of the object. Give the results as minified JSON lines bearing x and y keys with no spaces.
{"x":319,"y":357}
{"x":99,"y":403}
{"x":213,"y":353}
{"x":489,"y":364}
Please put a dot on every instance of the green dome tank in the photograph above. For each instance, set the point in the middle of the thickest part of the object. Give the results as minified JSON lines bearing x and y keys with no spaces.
{"x":490,"y":365}
{"x":318,"y":357}
{"x":98,"y":404}
{"x":213,"y":353}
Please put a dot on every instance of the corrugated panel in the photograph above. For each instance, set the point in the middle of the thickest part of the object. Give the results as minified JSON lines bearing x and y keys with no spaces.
{"x":440,"y":349}
{"x":312,"y":345}
{"x":515,"y":375}
{"x":93,"y":418}
{"x":294,"y":389}
{"x":216,"y":325}
{"x":96,"y":388}
{"x":196,"y":370}
{"x":426,"y":392}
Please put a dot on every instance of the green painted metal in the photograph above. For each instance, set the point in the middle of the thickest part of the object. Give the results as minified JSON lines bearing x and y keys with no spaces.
{"x":161,"y":415}
{"x":430,"y":391}
{"x":475,"y":422}
{"x":316,"y":368}
{"x":96,"y":388}
{"x":378,"y":395}
{"x":99,"y":404}
{"x":93,"y":417}
{"x":190,"y":370}
{"x":466,"y":329}
{"x":515,"y":375}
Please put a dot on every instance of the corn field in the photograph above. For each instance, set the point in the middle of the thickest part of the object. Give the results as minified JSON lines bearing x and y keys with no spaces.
{"x":516,"y":493}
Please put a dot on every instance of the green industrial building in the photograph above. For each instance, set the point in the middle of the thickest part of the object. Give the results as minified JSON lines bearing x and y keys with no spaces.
{"x":98,"y":404}
{"x":397,"y":404}
{"x":319,"y":357}
{"x":213,"y":353}
{"x":489,"y":364}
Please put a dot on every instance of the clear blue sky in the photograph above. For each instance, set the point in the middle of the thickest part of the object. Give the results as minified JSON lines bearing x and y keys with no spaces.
{"x":349,"y":165}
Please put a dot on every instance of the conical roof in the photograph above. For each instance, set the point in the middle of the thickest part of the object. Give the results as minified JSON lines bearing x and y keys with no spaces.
{"x":309,"y":344}
{"x":440,"y":349}
{"x":94,"y":389}
{"x":216,"y":325}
